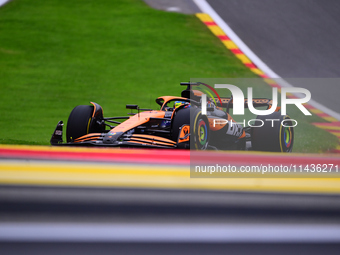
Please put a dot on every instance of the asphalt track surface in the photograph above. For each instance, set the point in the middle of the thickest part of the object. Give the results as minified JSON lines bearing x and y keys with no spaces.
{"x":296,"y":39}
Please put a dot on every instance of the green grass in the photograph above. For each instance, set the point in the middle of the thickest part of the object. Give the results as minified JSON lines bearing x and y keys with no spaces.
{"x":57,"y":54}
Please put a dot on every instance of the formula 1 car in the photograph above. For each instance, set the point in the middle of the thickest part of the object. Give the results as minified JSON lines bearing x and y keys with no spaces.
{"x":179,"y":123}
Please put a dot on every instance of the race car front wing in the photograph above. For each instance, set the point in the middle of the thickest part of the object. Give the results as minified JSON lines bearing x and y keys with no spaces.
{"x":112,"y":139}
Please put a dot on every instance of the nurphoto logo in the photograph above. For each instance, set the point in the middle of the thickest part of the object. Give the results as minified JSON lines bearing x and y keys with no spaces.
{"x":239,"y":101}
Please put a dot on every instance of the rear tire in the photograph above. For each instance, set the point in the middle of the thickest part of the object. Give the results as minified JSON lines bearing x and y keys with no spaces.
{"x":79,"y":121}
{"x":276,"y":138}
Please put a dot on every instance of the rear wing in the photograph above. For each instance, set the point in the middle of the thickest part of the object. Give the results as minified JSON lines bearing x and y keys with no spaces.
{"x":224,"y":102}
{"x":257,"y":102}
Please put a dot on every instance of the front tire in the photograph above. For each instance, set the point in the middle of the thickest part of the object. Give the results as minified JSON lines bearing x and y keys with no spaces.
{"x":79,"y":121}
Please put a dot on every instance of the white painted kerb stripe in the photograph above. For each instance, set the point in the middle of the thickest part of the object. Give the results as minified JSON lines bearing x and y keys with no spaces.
{"x":2,"y":2}
{"x":206,"y":8}
{"x":168,"y":232}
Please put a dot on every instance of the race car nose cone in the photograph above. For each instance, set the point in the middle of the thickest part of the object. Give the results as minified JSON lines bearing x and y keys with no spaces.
{"x":111,"y":137}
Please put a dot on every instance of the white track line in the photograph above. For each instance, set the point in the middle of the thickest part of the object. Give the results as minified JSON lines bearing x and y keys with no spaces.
{"x":206,"y":8}
{"x":108,"y":232}
{"x":2,"y":2}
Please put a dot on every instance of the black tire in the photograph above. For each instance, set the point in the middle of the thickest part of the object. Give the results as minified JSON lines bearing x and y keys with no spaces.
{"x":199,"y":130}
{"x":273,"y":136}
{"x":181,"y":117}
{"x":78,"y":123}
{"x":199,"y":127}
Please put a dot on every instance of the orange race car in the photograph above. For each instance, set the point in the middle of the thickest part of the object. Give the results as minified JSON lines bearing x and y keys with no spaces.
{"x":179,"y":123}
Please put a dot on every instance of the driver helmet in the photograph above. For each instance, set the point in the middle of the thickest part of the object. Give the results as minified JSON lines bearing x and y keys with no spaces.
{"x":178,"y":104}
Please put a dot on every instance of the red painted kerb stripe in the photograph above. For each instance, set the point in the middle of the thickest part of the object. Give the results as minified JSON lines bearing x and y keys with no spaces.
{"x":169,"y":157}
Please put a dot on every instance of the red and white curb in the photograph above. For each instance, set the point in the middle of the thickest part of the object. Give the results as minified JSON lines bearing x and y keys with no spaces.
{"x":164,"y":157}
